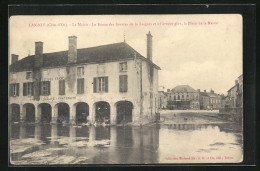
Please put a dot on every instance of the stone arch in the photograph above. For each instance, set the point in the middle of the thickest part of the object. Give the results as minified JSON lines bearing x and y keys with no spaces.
{"x":102,"y":111}
{"x":45,"y":112}
{"x":14,"y":112}
{"x":124,"y":111}
{"x":63,"y":112}
{"x":82,"y":112}
{"x":29,"y":112}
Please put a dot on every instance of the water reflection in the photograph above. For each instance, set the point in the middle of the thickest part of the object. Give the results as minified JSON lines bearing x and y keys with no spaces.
{"x":59,"y":144}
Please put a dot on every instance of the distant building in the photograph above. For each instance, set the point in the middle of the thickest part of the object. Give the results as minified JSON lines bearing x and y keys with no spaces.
{"x":211,"y":100}
{"x":163,"y":99}
{"x":183,"y":97}
{"x":235,"y":94}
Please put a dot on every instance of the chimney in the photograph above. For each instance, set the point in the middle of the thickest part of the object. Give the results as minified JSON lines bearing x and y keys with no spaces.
{"x":236,"y":82}
{"x":72,"y":53}
{"x":168,"y":90}
{"x":38,"y":48}
{"x":14,"y":58}
{"x":199,"y":90}
{"x":204,"y":91}
{"x":149,"y":46}
{"x":211,"y":91}
{"x":38,"y":60}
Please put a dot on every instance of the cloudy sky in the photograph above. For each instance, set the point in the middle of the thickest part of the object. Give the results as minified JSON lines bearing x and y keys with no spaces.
{"x":203,"y":51}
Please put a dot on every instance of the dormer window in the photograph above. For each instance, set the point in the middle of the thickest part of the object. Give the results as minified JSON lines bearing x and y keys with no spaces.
{"x":123,"y":67}
{"x":80,"y":71}
{"x":28,"y":75}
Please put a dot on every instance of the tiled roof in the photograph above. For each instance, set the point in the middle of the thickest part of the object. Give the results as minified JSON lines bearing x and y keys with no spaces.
{"x":183,"y":89}
{"x":98,"y":54}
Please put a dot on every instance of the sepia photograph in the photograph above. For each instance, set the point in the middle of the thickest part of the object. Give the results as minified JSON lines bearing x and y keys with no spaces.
{"x":125,"y":89}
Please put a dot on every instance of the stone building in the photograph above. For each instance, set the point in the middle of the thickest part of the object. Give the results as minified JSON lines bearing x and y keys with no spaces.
{"x":235,"y":94}
{"x":211,"y":100}
{"x":110,"y":83}
{"x":183,"y":97}
{"x":163,"y":99}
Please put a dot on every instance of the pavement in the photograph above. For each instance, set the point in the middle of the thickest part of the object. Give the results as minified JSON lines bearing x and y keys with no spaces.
{"x":162,"y":112}
{"x":190,"y":117}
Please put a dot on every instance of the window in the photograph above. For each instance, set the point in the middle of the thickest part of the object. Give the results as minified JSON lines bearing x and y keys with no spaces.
{"x":80,"y":86}
{"x":28,"y":89}
{"x":174,"y":97}
{"x":123,"y":67}
{"x":14,"y":89}
{"x":28,"y":75}
{"x":45,"y":73}
{"x":123,"y":83}
{"x":80,"y":71}
{"x":61,"y":87}
{"x":45,"y":88}
{"x":187,"y":97}
{"x":100,"y":84}
{"x":182,"y":96}
{"x":178,"y":97}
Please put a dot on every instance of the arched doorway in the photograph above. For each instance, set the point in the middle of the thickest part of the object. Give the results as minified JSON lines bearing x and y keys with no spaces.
{"x":45,"y":109}
{"x":63,"y":111}
{"x":29,"y":111}
{"x":82,"y":112}
{"x":102,"y":110}
{"x":124,"y":112}
{"x":15,"y":112}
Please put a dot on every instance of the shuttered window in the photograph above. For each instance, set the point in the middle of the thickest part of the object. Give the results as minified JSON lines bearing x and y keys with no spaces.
{"x":61,"y":87}
{"x":100,"y":84}
{"x":123,"y":83}
{"x":14,"y":89}
{"x":45,"y":88}
{"x":123,"y":67}
{"x":28,"y":89}
{"x":80,"y":86}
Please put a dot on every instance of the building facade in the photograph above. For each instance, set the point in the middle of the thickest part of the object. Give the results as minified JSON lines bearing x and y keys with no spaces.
{"x":211,"y":100}
{"x":235,"y":94}
{"x":110,"y":83}
{"x":183,"y":97}
{"x":163,"y":99}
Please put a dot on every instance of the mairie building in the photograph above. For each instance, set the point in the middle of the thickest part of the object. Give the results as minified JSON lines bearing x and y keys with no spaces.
{"x":110,"y":83}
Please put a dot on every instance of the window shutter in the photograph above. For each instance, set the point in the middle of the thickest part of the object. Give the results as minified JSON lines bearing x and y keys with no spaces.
{"x":126,"y":83}
{"x":39,"y":88}
{"x":78,"y":87}
{"x":106,"y":84}
{"x":95,"y":85}
{"x":60,"y":92}
{"x":32,"y":89}
{"x":17,"y":86}
{"x":24,"y":89}
{"x":11,"y":90}
{"x":82,"y":85}
{"x":61,"y":87}
{"x":49,"y":87}
{"x":120,"y":83}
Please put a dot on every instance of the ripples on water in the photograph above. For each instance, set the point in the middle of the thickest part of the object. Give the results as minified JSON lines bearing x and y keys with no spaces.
{"x":173,"y":143}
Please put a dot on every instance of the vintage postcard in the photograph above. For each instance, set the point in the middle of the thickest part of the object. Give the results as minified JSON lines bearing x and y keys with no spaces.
{"x":125,"y":89}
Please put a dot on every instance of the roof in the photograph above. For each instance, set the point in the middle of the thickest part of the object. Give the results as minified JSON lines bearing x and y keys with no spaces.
{"x":232,"y":88}
{"x":183,"y":89}
{"x":162,"y":92}
{"x":98,"y":54}
{"x":204,"y":94}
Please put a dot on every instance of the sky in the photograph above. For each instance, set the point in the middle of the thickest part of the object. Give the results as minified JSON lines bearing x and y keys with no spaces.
{"x":203,"y":51}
